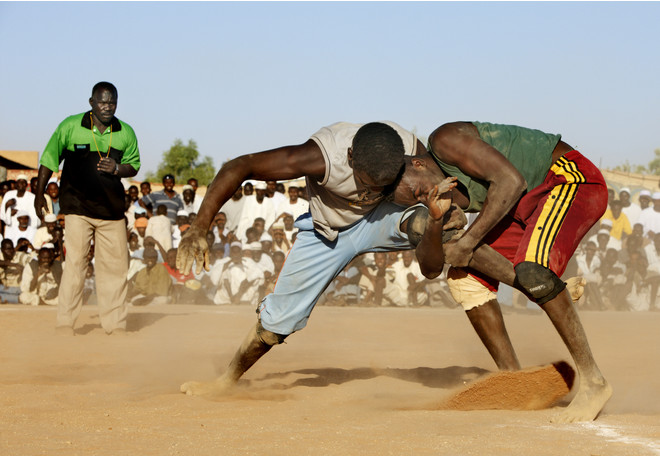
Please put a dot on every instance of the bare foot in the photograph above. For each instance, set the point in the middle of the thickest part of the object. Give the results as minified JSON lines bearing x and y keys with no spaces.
{"x":587,"y":403}
{"x":213,"y":388}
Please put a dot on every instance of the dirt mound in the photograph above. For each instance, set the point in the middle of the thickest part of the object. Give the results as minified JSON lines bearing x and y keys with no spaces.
{"x":530,"y":389}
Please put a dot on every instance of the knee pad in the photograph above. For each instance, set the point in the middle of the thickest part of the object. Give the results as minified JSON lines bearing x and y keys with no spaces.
{"x":268,"y":337}
{"x":468,"y":291}
{"x":538,"y":281}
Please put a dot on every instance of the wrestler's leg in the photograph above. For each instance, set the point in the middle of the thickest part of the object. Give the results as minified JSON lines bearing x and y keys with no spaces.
{"x":256,"y":344}
{"x":593,"y":390}
{"x":482,"y":309}
{"x":487,"y":321}
{"x":310,"y":267}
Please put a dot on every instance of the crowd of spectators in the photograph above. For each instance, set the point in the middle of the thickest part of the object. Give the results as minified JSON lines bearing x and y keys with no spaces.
{"x":253,"y":232}
{"x":620,"y":258}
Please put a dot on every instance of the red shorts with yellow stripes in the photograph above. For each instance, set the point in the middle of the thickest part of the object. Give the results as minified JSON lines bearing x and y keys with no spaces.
{"x":548,"y":223}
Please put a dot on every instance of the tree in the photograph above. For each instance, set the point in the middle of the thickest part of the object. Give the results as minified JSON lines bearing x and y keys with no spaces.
{"x":654,"y":165}
{"x":182,"y":162}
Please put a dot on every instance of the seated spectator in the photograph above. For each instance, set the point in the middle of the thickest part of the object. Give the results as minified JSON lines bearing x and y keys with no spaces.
{"x":220,"y":230}
{"x":160,"y":227}
{"x":289,"y":229}
{"x":22,"y":229}
{"x":11,"y":270}
{"x":140,"y":228}
{"x":60,"y":221}
{"x":40,"y":283}
{"x":89,"y":286}
{"x":178,"y":278}
{"x":259,"y":225}
{"x":653,"y":271}
{"x":650,"y":217}
{"x":23,"y":245}
{"x":280,"y":241}
{"x":633,"y":256}
{"x":150,"y":285}
{"x":262,"y":261}
{"x":344,"y":289}
{"x":278,"y":262}
{"x":604,"y":241}
{"x":644,"y":201}
{"x":589,"y":267}
{"x":377,"y":283}
{"x":190,"y":201}
{"x":251,"y":235}
{"x":237,"y":278}
{"x":267,"y":244}
{"x":409,"y":279}
{"x":133,"y":244}
{"x":182,"y":225}
{"x":613,"y":284}
{"x":46,"y":232}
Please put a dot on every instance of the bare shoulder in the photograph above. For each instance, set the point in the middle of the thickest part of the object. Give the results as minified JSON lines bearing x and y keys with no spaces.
{"x":450,"y":140}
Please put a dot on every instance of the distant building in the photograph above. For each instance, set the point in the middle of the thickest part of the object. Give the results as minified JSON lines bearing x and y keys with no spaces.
{"x":15,"y":162}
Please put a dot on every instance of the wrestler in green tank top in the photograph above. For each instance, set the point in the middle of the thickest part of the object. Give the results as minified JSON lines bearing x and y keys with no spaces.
{"x":530,"y":152}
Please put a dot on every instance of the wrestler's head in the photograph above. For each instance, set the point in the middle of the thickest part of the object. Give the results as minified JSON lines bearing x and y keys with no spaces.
{"x":420,"y":176}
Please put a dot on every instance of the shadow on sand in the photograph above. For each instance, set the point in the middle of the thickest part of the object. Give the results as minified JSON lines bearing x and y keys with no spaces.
{"x":135,"y":321}
{"x":445,"y":377}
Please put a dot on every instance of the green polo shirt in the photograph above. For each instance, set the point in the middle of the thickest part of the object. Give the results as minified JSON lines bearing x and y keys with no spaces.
{"x":83,"y":189}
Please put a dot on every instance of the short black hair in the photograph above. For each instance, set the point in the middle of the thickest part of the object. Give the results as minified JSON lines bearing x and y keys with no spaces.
{"x":168,"y":176}
{"x":103,"y":85}
{"x":378,"y":151}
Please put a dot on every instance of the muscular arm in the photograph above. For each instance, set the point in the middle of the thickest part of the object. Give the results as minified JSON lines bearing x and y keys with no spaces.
{"x":283,"y":163}
{"x":459,"y":144}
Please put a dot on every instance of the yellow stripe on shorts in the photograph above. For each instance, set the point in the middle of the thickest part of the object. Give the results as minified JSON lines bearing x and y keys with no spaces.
{"x":554,"y":212}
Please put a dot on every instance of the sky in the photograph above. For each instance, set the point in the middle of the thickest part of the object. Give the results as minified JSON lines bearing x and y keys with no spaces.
{"x":244,"y":77}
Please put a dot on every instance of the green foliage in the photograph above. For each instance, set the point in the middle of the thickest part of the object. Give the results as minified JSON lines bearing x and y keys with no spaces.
{"x":654,"y":165}
{"x":183,"y":162}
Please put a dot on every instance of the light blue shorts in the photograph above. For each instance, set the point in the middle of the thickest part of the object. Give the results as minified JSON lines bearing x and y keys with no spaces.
{"x":314,"y":262}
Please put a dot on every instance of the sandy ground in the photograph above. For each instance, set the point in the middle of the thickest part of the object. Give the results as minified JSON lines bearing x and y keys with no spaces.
{"x":356,"y":381}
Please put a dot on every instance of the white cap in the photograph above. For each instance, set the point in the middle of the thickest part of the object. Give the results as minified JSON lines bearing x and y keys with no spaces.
{"x":182,"y":213}
{"x":606,"y":222}
{"x":625,"y":189}
{"x":187,"y":187}
{"x":140,"y":210}
{"x":260,"y":185}
{"x":47,"y":245}
{"x":254,"y":246}
{"x":278,"y":226}
{"x":656,"y":196}
{"x":22,"y":177}
{"x":644,"y":193}
{"x":236,"y":244}
{"x":266,"y":237}
{"x":604,"y":232}
{"x":22,"y":213}
{"x":50,"y":218}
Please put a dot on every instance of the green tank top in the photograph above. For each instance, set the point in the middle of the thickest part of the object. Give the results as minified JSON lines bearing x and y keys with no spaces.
{"x":530,"y":152}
